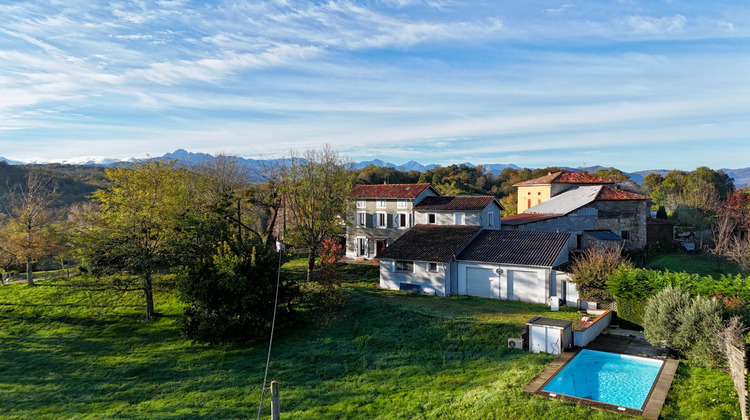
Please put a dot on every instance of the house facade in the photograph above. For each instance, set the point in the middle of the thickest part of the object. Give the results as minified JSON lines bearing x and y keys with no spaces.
{"x":482,"y":211}
{"x":381,"y":214}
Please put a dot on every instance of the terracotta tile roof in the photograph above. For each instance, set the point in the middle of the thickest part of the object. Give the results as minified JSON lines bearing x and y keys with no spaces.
{"x":524,"y":218}
{"x":389,"y":190}
{"x":564,"y":177}
{"x":470,"y":203}
{"x":611,"y":194}
{"x":516,"y":247}
{"x":577,"y":197}
{"x":433,"y":243}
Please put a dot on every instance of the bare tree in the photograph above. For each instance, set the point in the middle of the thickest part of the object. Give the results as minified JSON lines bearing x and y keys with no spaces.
{"x":315,"y":188}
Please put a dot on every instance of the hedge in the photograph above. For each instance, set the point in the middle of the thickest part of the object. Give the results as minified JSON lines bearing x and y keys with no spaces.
{"x":632,"y":287}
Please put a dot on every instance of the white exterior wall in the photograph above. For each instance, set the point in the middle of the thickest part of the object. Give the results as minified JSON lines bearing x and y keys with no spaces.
{"x":500,"y":283}
{"x":432,"y":283}
{"x":485,"y":215}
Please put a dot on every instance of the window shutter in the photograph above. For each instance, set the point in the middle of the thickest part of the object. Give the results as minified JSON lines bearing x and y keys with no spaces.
{"x":408,"y":220}
{"x":367,"y":246}
{"x":395,"y":220}
{"x":374,"y":220}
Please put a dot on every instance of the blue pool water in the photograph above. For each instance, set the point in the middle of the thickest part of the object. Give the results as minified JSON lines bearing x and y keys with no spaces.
{"x":610,"y":378}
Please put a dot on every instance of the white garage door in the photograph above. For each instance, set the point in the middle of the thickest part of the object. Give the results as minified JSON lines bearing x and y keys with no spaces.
{"x":523,"y":286}
{"x":478,"y":282}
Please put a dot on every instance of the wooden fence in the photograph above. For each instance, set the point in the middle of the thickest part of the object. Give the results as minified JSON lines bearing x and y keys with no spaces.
{"x":737,"y":368}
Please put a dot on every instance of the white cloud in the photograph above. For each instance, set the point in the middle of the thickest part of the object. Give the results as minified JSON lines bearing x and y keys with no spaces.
{"x":656,"y":26}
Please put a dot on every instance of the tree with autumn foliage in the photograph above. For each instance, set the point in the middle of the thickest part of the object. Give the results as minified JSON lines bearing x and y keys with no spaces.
{"x":28,"y":233}
{"x":132,"y":236}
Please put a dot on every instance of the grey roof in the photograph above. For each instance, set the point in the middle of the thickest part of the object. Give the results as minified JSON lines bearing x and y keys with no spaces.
{"x":433,"y":243}
{"x":604,"y":235}
{"x":516,"y":247}
{"x":567,"y":201}
{"x":551,"y":322}
{"x":452,"y":203}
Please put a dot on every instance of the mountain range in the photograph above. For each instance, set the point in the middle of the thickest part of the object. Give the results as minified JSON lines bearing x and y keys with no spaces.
{"x":741,"y":176}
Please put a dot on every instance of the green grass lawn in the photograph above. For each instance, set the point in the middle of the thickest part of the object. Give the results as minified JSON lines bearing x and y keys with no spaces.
{"x":692,"y":263}
{"x":67,"y":353}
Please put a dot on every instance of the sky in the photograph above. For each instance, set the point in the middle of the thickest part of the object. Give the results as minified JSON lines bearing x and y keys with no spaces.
{"x":631,"y":84}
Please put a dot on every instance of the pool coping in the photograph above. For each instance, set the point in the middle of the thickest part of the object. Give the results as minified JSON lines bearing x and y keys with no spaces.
{"x":654,"y":401}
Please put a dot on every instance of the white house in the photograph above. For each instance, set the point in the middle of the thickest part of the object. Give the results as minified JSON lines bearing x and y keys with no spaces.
{"x":384,"y":212}
{"x":469,"y":260}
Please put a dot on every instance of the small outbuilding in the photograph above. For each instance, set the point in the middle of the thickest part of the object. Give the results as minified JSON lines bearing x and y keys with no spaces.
{"x":548,"y":335}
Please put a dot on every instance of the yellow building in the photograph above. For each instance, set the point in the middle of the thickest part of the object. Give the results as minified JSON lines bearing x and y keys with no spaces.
{"x":537,"y":190}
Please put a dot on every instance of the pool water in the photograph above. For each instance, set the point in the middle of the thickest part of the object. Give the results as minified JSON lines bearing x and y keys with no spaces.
{"x":610,"y":378}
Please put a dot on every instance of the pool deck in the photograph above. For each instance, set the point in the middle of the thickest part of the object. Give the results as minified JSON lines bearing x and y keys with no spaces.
{"x":614,"y":343}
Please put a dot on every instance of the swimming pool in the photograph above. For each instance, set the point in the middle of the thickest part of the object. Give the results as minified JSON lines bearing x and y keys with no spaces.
{"x":616,"y":379}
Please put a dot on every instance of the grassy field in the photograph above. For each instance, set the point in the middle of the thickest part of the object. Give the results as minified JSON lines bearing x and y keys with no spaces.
{"x":67,"y":353}
{"x":692,"y":263}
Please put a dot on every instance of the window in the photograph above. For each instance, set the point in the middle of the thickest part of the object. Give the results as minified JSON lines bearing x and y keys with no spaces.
{"x":402,"y":220}
{"x":432,"y":267}
{"x":381,"y":219}
{"x":490,"y":218}
{"x":528,"y":204}
{"x":362,"y":219}
{"x":528,"y":193}
{"x":361,"y":204}
{"x":405,"y":266}
{"x":361,"y":246}
{"x":539,"y":201}
{"x":460,"y":218}
{"x":432,"y":218}
{"x":539,"y":193}
{"x":381,"y":204}
{"x":625,"y":234}
{"x":402,"y":204}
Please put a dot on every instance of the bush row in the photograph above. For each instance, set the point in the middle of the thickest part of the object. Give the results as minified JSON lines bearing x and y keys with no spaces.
{"x":632,"y":287}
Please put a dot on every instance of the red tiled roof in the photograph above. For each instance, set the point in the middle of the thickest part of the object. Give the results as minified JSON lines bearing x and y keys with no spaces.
{"x":524,"y":218}
{"x":612,"y":194}
{"x":470,"y":203}
{"x":564,"y":177}
{"x":389,"y":190}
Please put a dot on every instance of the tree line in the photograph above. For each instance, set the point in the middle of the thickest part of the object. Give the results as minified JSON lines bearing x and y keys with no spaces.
{"x":205,"y":225}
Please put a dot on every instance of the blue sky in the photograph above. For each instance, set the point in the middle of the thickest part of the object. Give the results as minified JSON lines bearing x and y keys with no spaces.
{"x":631,"y":84}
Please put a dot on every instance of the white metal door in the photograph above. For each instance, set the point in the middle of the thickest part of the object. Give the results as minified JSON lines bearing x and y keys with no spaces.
{"x":522,"y":285}
{"x":478,"y":282}
{"x":538,"y":337}
{"x":553,"y":340}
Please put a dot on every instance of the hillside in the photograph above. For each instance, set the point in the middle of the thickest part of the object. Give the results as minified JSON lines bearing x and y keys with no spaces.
{"x":74,"y":183}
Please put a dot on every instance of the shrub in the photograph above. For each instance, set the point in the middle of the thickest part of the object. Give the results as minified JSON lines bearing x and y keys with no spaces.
{"x":699,"y":323}
{"x":592,"y":269}
{"x":687,"y":325}
{"x":330,"y":264}
{"x":660,"y":318}
{"x":231,"y":295}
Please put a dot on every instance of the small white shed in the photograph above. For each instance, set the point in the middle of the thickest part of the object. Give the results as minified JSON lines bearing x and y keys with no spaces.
{"x":547,"y":335}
